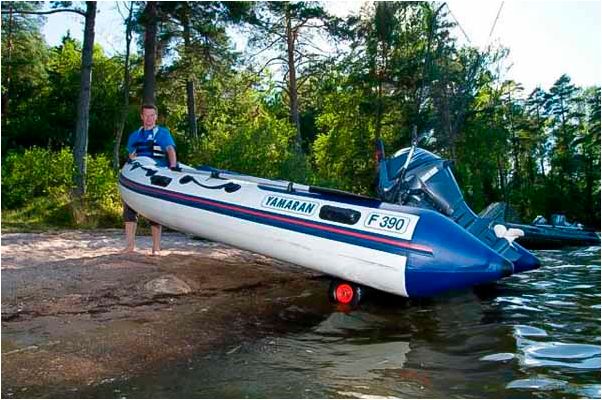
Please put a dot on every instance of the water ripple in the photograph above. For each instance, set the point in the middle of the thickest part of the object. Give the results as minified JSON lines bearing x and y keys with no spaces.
{"x":562,"y":350}
{"x":589,"y":391}
{"x":536,"y":383}
{"x":498,"y":357}
{"x":526,"y":330}
{"x":561,"y":303}
{"x":556,"y":354}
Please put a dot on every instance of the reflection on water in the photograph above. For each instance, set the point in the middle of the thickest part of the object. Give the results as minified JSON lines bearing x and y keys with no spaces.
{"x":558,"y":340}
{"x":535,"y":334}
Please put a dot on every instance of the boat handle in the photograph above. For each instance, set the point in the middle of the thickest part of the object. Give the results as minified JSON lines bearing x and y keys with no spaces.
{"x":228,"y":187}
{"x":149,"y":171}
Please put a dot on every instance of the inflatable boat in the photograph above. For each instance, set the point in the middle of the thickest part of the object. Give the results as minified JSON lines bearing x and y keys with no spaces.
{"x":359,"y":241}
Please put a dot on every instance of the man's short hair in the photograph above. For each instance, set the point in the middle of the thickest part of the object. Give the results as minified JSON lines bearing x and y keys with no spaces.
{"x":149,"y":106}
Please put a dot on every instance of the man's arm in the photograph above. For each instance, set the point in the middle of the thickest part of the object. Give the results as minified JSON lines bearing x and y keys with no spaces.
{"x":171,"y":156}
{"x":130,"y":147}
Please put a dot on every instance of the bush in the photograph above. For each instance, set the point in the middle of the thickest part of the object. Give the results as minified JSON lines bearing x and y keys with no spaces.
{"x":35,"y":173}
{"x":101,"y":183}
{"x":37,"y":187}
{"x":252,"y":142}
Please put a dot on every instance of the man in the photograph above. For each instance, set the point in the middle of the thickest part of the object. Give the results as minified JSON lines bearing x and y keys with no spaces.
{"x":153,"y":141}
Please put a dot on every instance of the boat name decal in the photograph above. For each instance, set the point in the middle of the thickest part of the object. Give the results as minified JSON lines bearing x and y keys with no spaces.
{"x":400,"y":225}
{"x":292,"y":205}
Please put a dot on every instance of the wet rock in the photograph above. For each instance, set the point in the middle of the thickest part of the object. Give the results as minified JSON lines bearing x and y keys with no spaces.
{"x":167,"y":285}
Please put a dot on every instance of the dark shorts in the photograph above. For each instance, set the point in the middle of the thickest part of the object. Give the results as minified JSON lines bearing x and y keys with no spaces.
{"x":129,"y":215}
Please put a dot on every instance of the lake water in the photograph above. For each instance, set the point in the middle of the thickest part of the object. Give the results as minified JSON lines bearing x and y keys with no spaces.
{"x":533,"y":335}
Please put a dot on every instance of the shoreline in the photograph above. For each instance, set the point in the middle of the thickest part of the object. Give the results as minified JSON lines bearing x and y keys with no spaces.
{"x":76,"y":312}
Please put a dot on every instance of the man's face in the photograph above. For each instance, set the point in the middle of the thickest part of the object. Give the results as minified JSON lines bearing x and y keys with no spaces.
{"x":149,"y":117}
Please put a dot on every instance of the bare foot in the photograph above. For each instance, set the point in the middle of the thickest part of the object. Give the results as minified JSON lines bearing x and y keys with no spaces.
{"x":127,"y":250}
{"x":155,"y":253}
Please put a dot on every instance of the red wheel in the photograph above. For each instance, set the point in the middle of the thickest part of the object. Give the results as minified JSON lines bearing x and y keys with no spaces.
{"x":346,"y":293}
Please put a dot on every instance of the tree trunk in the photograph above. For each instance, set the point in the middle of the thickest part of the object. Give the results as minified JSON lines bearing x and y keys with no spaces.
{"x":541,"y":146}
{"x":292,"y":80}
{"x":379,"y":109}
{"x":426,"y":67}
{"x":589,"y":190}
{"x":532,"y":169}
{"x":8,"y":68}
{"x":500,"y":170}
{"x":542,"y":166}
{"x":150,"y":52}
{"x":126,"y":89}
{"x":83,"y":106}
{"x":516,"y":155}
{"x":191,"y":110}
{"x":192,"y":127}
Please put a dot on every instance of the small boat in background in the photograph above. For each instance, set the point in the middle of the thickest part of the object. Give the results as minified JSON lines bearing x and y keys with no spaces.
{"x":541,"y":234}
{"x":560,"y":233}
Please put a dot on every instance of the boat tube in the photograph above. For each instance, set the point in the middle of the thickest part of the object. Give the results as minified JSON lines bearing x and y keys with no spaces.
{"x":407,"y":251}
{"x":418,"y":178}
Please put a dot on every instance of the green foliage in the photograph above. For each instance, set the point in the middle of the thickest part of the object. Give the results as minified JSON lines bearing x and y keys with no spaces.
{"x":37,"y":184}
{"x":24,"y":56}
{"x":401,"y":69}
{"x":24,"y":52}
{"x":45,"y":114}
{"x":239,"y":133}
{"x":37,"y":172}
{"x":101,"y":183}
{"x":259,"y":146}
{"x":342,"y":153}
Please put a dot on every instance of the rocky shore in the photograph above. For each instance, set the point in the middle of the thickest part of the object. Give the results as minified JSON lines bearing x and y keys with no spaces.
{"x":76,"y":312}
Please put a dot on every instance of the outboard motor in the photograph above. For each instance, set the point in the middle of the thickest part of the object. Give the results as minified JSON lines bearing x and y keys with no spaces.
{"x":418,"y":178}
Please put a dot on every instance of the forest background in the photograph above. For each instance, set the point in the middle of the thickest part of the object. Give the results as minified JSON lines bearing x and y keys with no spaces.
{"x":390,"y":69}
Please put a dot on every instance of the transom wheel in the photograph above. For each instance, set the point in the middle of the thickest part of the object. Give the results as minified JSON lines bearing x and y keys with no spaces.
{"x":346,"y":293}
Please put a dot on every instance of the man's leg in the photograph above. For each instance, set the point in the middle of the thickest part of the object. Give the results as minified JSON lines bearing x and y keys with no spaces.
{"x":131,"y":218}
{"x":156,"y":234}
{"x":130,"y":236}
